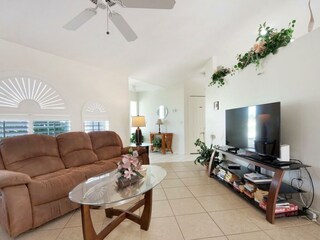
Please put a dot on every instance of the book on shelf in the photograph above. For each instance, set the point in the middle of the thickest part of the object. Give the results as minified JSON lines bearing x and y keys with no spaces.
{"x":221,"y":174}
{"x":259,"y":195}
{"x":249,"y":194}
{"x":287,"y":214}
{"x":281,"y":209}
{"x":238,"y":185}
{"x":257,"y":177}
{"x":283,"y":204}
{"x":230,"y":178}
{"x":280,"y":199}
{"x":250,"y":187}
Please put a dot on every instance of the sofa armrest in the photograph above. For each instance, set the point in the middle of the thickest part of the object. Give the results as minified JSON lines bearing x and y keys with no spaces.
{"x":10,"y":178}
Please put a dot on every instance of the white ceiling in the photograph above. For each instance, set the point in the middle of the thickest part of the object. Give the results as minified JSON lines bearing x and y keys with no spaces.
{"x":172,"y":44}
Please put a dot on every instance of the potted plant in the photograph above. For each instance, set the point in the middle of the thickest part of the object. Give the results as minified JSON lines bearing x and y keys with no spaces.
{"x":157,"y":143}
{"x":133,"y":138}
{"x":204,"y":151}
{"x":205,"y":154}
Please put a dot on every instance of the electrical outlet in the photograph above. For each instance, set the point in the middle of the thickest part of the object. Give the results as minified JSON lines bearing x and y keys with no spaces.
{"x":312,"y":215}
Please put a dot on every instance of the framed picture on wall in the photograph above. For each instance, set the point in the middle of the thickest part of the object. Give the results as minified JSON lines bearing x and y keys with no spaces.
{"x":216,"y":105}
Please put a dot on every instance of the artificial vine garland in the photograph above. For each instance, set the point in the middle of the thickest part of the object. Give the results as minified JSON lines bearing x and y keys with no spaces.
{"x":266,"y":43}
{"x":219,"y":75}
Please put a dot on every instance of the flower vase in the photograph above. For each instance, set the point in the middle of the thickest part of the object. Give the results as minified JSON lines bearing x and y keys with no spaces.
{"x":124,"y":182}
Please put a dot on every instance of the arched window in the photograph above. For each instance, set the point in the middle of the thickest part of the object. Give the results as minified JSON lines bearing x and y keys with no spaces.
{"x":95,"y":117}
{"x":30,"y":105}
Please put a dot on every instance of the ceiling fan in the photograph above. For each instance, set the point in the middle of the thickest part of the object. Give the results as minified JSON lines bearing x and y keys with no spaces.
{"x":116,"y":18}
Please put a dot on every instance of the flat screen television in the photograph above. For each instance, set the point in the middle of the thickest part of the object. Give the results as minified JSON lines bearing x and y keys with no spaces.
{"x":255,"y":129}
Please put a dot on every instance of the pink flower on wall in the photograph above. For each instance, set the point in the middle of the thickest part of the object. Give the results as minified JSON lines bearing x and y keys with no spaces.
{"x":259,"y":47}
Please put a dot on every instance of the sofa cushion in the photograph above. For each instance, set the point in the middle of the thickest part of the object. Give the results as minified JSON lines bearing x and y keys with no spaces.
{"x":76,"y":149}
{"x":111,"y":160}
{"x":106,"y":144}
{"x":96,"y":168}
{"x":31,"y":154}
{"x":53,"y":186}
{"x":45,"y":212}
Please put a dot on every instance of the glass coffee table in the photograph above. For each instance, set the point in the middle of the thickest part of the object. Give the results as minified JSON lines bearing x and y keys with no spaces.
{"x":102,"y":191}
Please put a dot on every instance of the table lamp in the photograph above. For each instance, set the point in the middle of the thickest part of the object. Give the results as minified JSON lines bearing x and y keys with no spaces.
{"x":138,"y":121}
{"x":159,"y":122}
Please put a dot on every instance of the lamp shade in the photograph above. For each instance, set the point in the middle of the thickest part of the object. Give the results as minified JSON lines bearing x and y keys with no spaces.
{"x":138,"y":121}
{"x":159,"y":122}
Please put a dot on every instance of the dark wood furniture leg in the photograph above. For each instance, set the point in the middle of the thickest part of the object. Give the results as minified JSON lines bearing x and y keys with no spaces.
{"x":273,"y":194}
{"x":163,"y":143}
{"x":147,"y":210}
{"x":144,"y":221}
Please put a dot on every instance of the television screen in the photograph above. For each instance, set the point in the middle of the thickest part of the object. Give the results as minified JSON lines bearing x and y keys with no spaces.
{"x":255,"y":129}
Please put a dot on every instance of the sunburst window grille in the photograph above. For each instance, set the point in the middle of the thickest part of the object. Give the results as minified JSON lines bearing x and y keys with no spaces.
{"x":95,"y":108}
{"x":15,"y":90}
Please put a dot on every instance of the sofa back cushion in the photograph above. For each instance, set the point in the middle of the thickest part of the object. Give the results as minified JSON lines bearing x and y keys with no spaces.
{"x":76,"y":149}
{"x":1,"y":163}
{"x":106,"y":144}
{"x":31,"y":154}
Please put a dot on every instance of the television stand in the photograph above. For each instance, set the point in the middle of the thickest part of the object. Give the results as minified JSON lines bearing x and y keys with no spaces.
{"x":233,"y":150}
{"x":274,"y":188}
{"x":263,"y":158}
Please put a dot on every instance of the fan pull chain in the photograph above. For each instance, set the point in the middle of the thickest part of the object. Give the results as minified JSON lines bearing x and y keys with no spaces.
{"x":108,"y":21}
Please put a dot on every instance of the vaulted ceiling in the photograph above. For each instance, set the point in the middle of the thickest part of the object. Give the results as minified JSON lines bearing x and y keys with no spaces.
{"x":171,"y":44}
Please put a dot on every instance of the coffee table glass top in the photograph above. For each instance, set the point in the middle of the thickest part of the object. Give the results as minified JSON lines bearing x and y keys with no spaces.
{"x":102,"y":190}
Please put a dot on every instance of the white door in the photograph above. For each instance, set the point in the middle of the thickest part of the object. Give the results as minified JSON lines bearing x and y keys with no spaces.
{"x":196,"y":126}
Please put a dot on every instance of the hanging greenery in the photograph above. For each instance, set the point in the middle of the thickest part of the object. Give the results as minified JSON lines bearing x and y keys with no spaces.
{"x":219,"y":75}
{"x":269,"y":40}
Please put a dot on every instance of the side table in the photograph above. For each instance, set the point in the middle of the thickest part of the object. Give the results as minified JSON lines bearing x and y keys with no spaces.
{"x":143,"y":145}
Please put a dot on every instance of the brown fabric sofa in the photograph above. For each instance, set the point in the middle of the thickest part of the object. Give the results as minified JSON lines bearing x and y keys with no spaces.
{"x":38,"y":171}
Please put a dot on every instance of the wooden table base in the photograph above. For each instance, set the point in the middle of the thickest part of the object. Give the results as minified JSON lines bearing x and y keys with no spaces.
{"x":143,"y":220}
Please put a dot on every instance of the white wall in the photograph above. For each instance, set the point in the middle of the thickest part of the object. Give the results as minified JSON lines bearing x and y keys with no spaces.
{"x":173,"y":99}
{"x":76,"y":83}
{"x":291,"y":77}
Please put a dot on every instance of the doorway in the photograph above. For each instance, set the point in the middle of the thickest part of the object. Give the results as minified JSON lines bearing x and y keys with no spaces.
{"x":196,"y":117}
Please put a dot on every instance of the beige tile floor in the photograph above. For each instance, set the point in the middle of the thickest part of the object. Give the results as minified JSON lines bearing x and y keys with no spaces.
{"x":187,"y":205}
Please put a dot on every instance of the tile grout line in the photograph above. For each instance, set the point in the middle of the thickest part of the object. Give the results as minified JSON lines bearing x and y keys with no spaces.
{"x":208,"y":214}
{"x":199,"y":213}
{"x":175,"y":217}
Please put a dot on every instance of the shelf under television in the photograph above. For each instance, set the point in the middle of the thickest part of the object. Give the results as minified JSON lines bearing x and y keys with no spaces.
{"x":251,"y":200}
{"x":284,"y":189}
{"x":274,"y":188}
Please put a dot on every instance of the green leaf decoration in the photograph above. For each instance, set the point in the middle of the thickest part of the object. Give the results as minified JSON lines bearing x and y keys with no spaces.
{"x":267,"y":43}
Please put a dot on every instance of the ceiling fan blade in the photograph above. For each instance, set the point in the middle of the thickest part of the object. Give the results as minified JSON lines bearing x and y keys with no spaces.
{"x":157,"y":4}
{"x":123,"y":26}
{"x":80,"y":19}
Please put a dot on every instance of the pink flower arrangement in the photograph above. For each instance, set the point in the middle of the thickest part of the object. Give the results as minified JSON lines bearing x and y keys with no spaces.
{"x":259,"y":47}
{"x":129,"y":165}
